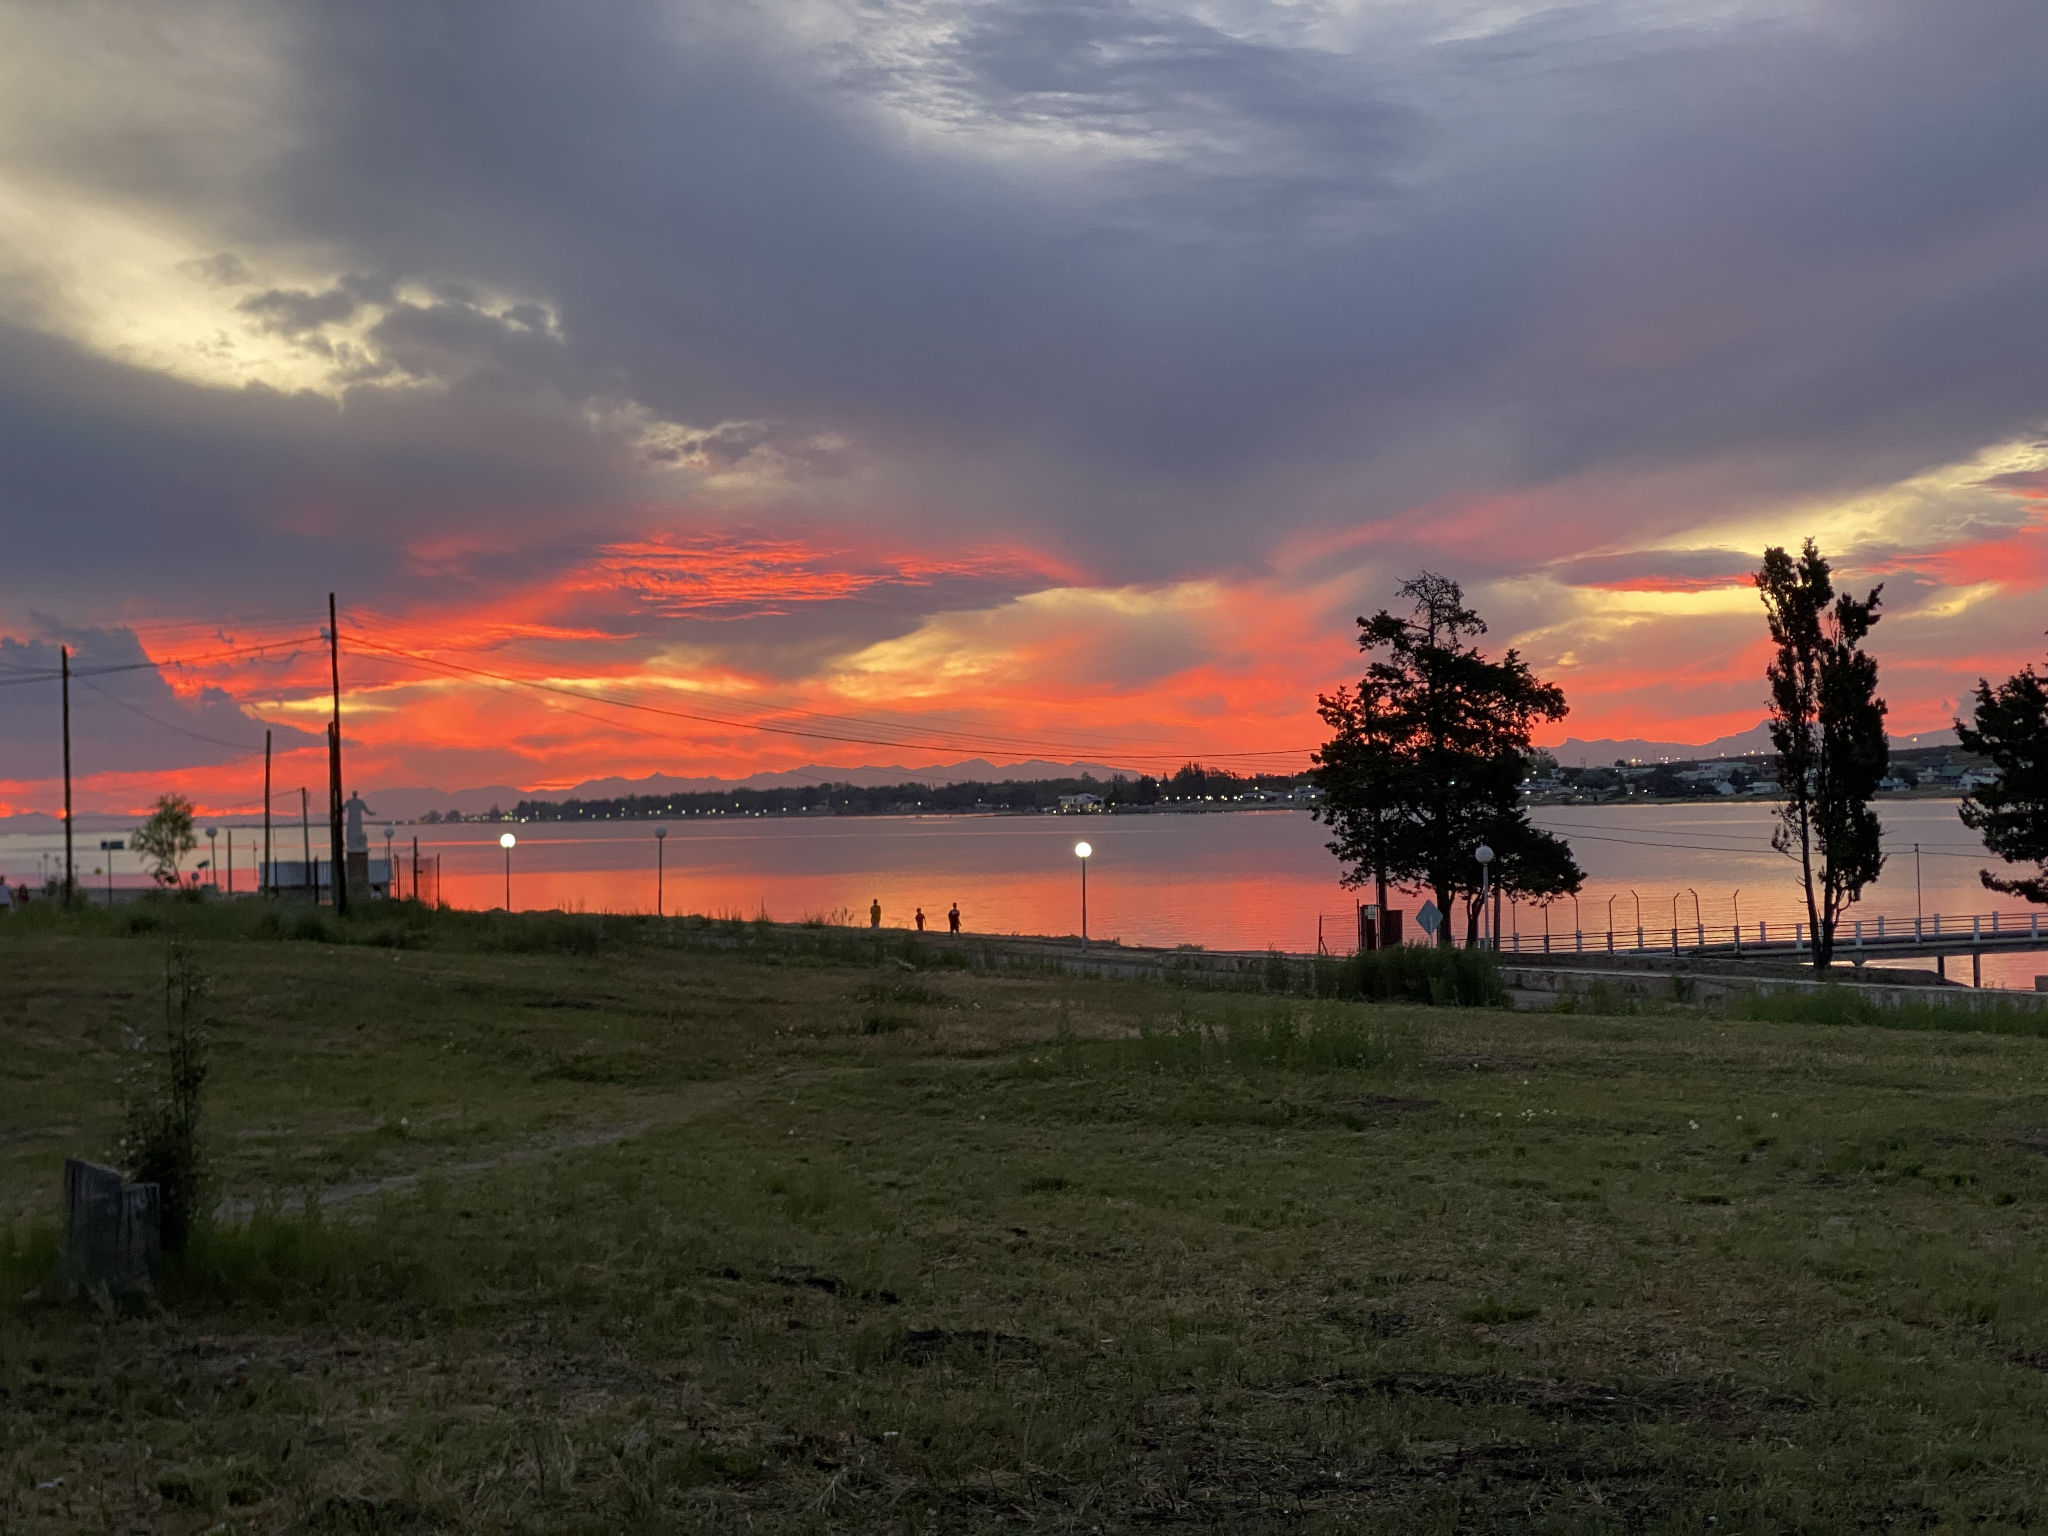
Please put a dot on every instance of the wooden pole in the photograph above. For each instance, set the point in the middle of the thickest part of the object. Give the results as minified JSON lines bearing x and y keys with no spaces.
{"x":334,"y":812}
{"x":70,"y":875}
{"x":306,"y":837}
{"x":339,"y":883}
{"x":264,"y":883}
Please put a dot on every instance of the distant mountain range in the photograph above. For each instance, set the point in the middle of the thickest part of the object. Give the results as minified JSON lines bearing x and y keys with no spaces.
{"x":1575,"y":753}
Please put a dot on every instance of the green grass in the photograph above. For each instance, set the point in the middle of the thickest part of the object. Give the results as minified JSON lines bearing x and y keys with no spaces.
{"x":641,"y":1234}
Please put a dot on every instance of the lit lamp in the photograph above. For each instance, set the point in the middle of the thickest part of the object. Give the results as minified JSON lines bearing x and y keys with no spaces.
{"x":660,"y":843}
{"x":1081,"y":852}
{"x":508,"y":842}
{"x":1484,"y":855}
{"x":213,"y":854}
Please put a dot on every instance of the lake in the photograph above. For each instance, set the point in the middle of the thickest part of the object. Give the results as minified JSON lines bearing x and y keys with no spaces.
{"x":1235,"y":880}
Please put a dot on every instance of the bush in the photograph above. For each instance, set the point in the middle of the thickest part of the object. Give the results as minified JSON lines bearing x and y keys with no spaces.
{"x":1415,"y":973}
{"x":160,"y":1140}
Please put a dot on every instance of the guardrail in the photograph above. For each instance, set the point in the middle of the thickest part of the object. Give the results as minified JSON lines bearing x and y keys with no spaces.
{"x":2002,"y":930}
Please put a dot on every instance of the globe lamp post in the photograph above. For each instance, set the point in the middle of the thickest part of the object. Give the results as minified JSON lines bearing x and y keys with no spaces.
{"x":1484,"y":855}
{"x":1082,"y":852}
{"x":660,"y":843}
{"x":213,"y":855}
{"x":508,"y":842}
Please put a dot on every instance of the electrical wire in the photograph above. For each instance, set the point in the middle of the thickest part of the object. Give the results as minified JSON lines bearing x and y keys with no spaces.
{"x":242,"y":749}
{"x":297,"y":642}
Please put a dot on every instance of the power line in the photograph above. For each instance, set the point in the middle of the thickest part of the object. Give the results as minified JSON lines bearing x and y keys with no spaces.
{"x":241,"y":748}
{"x":297,"y":642}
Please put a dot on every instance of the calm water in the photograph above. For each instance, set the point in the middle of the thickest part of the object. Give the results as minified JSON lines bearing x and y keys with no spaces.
{"x":1243,"y":880}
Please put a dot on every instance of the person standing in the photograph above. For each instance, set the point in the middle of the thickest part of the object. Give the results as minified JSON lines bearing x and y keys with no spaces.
{"x":875,"y":914}
{"x":953,"y":918}
{"x":920,"y":919}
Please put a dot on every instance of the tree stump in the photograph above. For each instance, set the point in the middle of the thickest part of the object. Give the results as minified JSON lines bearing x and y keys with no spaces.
{"x":113,"y":1232}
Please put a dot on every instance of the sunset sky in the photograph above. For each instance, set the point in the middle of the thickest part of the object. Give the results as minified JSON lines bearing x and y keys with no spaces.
{"x":705,"y":387}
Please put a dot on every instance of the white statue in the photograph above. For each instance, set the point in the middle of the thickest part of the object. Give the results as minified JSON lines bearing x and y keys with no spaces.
{"x":356,"y":841}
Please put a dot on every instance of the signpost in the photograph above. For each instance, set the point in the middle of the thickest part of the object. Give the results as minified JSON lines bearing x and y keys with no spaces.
{"x":111,"y":846}
{"x":1429,"y":920}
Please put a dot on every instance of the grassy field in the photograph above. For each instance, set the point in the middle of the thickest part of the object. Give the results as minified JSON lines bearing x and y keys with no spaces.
{"x":594,"y":1227}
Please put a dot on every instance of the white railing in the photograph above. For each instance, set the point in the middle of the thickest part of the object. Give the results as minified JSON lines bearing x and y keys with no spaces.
{"x":1878,"y":932}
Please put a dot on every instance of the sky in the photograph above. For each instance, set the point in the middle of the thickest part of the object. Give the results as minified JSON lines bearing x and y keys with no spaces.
{"x":704,"y":388}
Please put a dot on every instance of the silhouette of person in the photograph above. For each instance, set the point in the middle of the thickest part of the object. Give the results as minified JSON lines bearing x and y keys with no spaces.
{"x":875,"y":914}
{"x":920,"y":919}
{"x":953,"y":918}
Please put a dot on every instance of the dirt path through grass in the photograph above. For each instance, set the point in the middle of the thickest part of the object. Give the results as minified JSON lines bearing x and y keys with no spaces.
{"x":688,"y":1104}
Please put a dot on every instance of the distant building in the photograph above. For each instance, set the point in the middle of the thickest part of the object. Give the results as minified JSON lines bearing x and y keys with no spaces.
{"x":1083,"y":802}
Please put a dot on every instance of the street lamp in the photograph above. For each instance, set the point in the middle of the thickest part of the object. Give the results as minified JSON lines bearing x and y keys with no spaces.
{"x":660,"y":845}
{"x":213,"y":854}
{"x":508,"y":842}
{"x":390,"y":870}
{"x":1081,"y":852}
{"x":1484,"y":855}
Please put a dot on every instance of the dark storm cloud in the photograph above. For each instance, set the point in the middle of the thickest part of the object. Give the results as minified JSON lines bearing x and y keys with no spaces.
{"x":1114,"y":278}
{"x":1660,"y":569}
{"x":141,"y":487}
{"x":123,"y":713}
{"x":296,"y":311}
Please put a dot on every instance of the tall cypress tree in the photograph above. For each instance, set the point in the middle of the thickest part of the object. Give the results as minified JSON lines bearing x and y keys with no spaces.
{"x":1426,"y":760}
{"x":1827,"y":724}
{"x":2011,"y":728}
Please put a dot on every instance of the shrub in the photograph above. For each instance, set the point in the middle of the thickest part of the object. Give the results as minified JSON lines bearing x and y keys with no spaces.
{"x":1415,"y":973}
{"x":161,"y":1141}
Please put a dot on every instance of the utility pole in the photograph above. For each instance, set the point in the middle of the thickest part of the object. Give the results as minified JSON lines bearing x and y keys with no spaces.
{"x":306,"y":835}
{"x":266,"y":814}
{"x":334,"y":763}
{"x":64,"y":664}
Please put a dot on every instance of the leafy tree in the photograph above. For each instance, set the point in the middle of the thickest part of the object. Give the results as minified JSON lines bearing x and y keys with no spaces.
{"x":2011,"y":729}
{"x":1426,"y":760}
{"x":1827,"y":724}
{"x":1664,"y":780}
{"x":165,"y":839}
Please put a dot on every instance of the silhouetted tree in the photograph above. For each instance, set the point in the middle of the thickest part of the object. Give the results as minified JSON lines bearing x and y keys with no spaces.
{"x":165,"y":839}
{"x":1827,"y":724}
{"x":1426,"y":760}
{"x":2011,"y":729}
